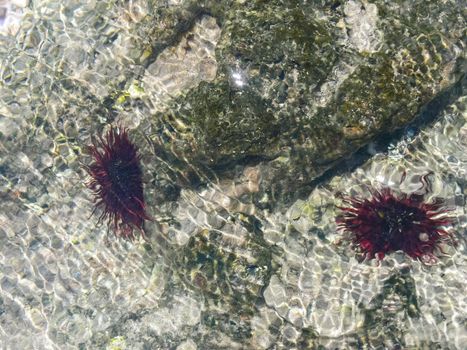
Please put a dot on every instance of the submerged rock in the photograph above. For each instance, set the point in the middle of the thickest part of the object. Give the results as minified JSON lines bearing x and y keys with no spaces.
{"x":300,"y":86}
{"x":230,"y":270}
{"x":384,"y":319}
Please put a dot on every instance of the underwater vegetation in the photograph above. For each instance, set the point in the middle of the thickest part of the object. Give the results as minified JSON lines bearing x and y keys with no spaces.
{"x":389,"y":221}
{"x":116,"y":180}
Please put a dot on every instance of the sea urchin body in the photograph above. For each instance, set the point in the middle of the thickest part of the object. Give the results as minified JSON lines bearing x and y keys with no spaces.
{"x":388,"y":222}
{"x":116,"y":180}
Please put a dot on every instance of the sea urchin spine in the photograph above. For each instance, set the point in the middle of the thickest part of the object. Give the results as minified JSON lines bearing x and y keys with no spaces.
{"x":116,"y":180}
{"x":387,"y":222}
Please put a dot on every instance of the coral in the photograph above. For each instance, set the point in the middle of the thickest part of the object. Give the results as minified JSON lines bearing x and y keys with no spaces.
{"x":117,"y":183}
{"x":388,"y":222}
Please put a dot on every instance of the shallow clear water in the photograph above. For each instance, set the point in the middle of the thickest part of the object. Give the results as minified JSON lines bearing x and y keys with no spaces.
{"x":218,"y":271}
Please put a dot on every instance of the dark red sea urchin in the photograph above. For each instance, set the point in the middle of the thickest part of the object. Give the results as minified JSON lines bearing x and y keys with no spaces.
{"x":388,"y":222}
{"x":116,"y":180}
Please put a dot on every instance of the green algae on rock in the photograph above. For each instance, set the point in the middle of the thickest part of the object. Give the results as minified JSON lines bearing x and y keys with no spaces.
{"x":228,"y":270}
{"x":309,"y":88}
{"x":233,"y":118}
{"x":397,"y":297}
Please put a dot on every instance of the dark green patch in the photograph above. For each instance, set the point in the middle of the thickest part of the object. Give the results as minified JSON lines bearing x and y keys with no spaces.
{"x":286,"y":52}
{"x":228,"y":272}
{"x":388,"y":311}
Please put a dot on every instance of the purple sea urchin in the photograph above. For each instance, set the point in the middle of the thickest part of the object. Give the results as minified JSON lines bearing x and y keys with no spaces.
{"x":116,"y":180}
{"x":388,"y":222}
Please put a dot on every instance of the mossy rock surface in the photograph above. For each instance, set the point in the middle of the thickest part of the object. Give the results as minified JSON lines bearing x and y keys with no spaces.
{"x":231,"y":122}
{"x":274,"y":61}
{"x":383,"y":316}
{"x":228,"y":271}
